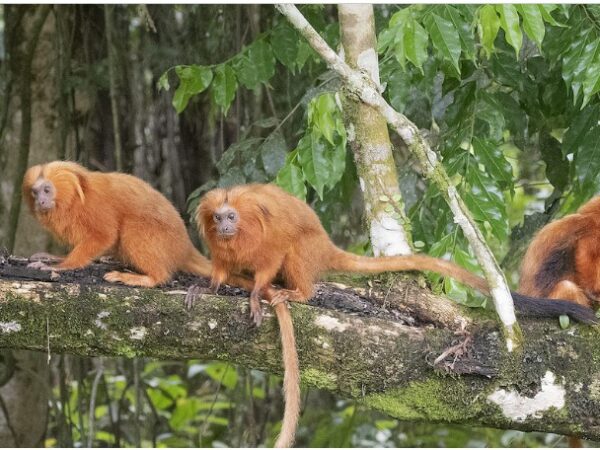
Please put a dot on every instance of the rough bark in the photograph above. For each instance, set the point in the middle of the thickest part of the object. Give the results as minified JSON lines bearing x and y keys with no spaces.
{"x":370,"y":141}
{"x":361,"y":85}
{"x":552,"y":386}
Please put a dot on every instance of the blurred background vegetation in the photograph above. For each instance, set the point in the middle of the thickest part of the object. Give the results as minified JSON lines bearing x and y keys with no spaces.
{"x":196,"y":96}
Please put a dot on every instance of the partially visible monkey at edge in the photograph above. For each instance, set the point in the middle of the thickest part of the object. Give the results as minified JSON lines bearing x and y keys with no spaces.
{"x":262,"y":229}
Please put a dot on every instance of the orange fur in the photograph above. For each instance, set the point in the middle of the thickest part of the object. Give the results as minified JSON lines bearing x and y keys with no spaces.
{"x":120,"y":215}
{"x":563,"y":260}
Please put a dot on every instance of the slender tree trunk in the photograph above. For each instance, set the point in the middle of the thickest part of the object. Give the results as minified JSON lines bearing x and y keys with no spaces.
{"x":114,"y":106}
{"x":370,"y":141}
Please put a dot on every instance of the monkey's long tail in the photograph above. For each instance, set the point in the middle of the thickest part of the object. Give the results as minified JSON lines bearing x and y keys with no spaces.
{"x":529,"y":306}
{"x":291,"y":377}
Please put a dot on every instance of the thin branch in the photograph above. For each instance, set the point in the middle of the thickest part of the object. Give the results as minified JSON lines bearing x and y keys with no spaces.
{"x":92,"y":410}
{"x":113,"y":86}
{"x":361,"y":85}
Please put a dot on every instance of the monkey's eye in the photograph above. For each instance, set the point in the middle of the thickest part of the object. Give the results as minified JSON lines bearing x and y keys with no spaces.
{"x":231,"y":217}
{"x":217,"y":218}
{"x":47,"y":190}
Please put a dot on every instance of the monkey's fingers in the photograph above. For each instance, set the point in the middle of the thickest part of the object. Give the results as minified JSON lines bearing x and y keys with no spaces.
{"x":39,"y":265}
{"x":191,"y":296}
{"x":214,"y":287}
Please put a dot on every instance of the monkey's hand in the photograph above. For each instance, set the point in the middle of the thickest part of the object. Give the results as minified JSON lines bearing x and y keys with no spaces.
{"x":192,"y":295}
{"x":214,"y":286}
{"x":39,"y":265}
{"x":43,"y":256}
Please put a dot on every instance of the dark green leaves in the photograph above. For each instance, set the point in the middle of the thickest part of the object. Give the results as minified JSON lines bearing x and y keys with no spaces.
{"x":509,"y":22}
{"x":489,"y":24}
{"x":224,"y":87}
{"x":192,"y":80}
{"x":582,"y":139}
{"x":284,"y":40}
{"x":445,"y":38}
{"x":320,"y":158}
{"x":256,"y":65}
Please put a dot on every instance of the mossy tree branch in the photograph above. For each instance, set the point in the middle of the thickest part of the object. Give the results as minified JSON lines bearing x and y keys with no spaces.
{"x":553,"y":385}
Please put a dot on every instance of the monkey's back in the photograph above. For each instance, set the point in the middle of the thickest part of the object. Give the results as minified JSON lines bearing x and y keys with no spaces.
{"x":550,"y":256}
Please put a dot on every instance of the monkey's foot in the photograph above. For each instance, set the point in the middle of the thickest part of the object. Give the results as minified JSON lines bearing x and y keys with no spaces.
{"x":192,"y":295}
{"x":43,"y":256}
{"x":256,"y":312}
{"x":284,"y":295}
{"x":130,"y":279}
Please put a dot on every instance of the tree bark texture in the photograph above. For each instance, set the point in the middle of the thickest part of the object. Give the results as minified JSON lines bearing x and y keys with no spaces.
{"x":380,"y":356}
{"x":370,"y":141}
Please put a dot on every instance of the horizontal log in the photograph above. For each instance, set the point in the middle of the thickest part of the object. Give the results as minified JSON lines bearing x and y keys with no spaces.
{"x":377,"y":354}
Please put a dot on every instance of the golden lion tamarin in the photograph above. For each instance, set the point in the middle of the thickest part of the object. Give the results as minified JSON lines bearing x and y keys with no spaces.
{"x":264,"y":230}
{"x":116,"y":214}
{"x":563,"y":260}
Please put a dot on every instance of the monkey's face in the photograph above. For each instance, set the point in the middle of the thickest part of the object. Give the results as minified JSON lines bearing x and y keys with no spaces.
{"x":44,"y":195}
{"x":226,"y":221}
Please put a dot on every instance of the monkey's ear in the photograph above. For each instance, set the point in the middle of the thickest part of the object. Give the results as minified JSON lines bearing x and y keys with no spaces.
{"x":79,"y":183}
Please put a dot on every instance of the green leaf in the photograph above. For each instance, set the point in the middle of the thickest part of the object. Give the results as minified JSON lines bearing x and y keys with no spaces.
{"x":489,"y":24}
{"x":509,"y":22}
{"x":564,"y":321}
{"x":224,"y":87}
{"x":463,"y":25}
{"x":291,"y":179}
{"x":533,"y":23}
{"x":256,"y":65}
{"x":273,"y":152}
{"x":493,"y":160}
{"x":284,"y":41}
{"x":222,"y":373}
{"x":163,"y":81}
{"x":415,"y":41}
{"x":445,"y":38}
{"x":192,"y":80}
{"x":545,"y":10}
{"x":320,"y":113}
{"x":315,"y":167}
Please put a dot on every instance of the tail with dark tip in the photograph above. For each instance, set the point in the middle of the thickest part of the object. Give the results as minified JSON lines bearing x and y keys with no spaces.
{"x":546,"y":307}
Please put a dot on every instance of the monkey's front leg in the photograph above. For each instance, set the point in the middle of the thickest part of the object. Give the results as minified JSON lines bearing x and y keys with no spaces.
{"x":262,"y":284}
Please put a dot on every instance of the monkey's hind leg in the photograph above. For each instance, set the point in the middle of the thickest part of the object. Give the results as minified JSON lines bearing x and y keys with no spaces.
{"x":567,"y":290}
{"x":134,"y":279}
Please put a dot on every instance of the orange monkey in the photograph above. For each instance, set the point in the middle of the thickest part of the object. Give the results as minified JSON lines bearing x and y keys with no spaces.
{"x":563,"y":260}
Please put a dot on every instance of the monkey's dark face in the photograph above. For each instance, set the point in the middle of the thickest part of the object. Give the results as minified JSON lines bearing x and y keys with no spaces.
{"x":226,"y":220}
{"x":44,"y":195}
